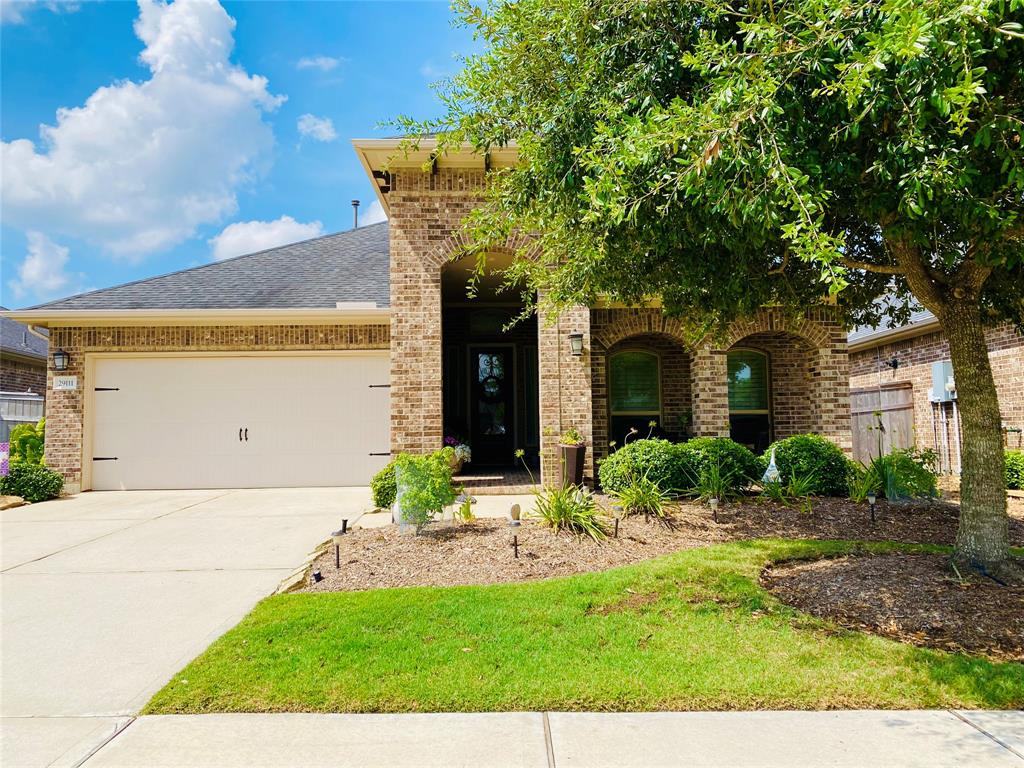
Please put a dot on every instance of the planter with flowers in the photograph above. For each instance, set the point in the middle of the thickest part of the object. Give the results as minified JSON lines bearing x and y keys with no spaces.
{"x":459,"y":455}
{"x":573,"y":450}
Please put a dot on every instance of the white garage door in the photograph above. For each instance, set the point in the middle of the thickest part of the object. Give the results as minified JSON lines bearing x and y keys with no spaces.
{"x":239,"y":422}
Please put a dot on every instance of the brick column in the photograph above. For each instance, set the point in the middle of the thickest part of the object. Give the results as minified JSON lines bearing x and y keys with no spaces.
{"x":830,"y":390}
{"x":64,"y":410}
{"x":710,"y":392}
{"x":565,"y":394}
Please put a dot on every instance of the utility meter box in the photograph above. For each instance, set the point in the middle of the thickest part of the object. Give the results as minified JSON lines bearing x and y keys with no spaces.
{"x":943,"y":386}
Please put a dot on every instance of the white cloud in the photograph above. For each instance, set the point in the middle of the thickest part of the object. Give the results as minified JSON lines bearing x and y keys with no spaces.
{"x":431,"y":71}
{"x":374,"y":214}
{"x":15,"y":11}
{"x":250,"y":236}
{"x":323,"y":63}
{"x":319,"y":128}
{"x":43,"y":273}
{"x":140,"y":166}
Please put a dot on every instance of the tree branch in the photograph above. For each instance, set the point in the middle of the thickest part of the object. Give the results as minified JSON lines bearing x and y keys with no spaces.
{"x":882,"y":269}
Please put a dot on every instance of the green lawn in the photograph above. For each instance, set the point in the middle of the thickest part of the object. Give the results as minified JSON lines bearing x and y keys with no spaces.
{"x":692,"y":630}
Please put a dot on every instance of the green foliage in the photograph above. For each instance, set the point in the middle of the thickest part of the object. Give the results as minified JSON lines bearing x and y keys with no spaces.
{"x":27,"y":442}
{"x":425,"y":484}
{"x":32,"y":482}
{"x":715,"y":481}
{"x":382,"y":486}
{"x":571,"y":436}
{"x":814,"y":458}
{"x":642,"y":496}
{"x":658,"y":460}
{"x":1014,"y":469}
{"x":902,"y":474}
{"x":571,"y":509}
{"x":677,"y":468}
{"x":464,"y":511}
{"x":730,"y":461}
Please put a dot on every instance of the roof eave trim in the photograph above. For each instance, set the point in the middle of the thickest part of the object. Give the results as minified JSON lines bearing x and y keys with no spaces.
{"x":889,"y":335}
{"x":55,"y":318}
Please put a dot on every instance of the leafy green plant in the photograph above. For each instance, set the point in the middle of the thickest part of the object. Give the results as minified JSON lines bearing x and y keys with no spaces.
{"x":31,"y":482}
{"x":424,"y":487}
{"x":27,"y":442}
{"x":1014,"y":469}
{"x":815,"y":458}
{"x":659,"y":460}
{"x":642,"y":496}
{"x":798,"y":488}
{"x":571,"y":436}
{"x":464,"y":511}
{"x":730,"y":461}
{"x":903,"y":474}
{"x":571,"y":509}
{"x":382,"y":487}
{"x":715,"y":481}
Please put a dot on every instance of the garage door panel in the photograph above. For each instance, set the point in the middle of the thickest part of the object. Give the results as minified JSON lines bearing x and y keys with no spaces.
{"x":174,"y":422}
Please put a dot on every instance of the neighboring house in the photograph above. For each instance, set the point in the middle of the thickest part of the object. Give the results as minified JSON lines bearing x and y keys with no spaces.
{"x":22,"y":375}
{"x":903,"y":376}
{"x":311,"y":363}
{"x":22,"y":358}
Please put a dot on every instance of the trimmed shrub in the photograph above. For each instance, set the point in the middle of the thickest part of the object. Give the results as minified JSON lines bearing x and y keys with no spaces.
{"x":32,"y":482}
{"x":658,"y":460}
{"x":27,"y":442}
{"x":813,"y":457}
{"x":383,"y":487}
{"x":1015,"y":470}
{"x":734,"y":461}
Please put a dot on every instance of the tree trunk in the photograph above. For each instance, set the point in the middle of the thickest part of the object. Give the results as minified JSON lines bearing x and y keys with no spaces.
{"x":983,"y":534}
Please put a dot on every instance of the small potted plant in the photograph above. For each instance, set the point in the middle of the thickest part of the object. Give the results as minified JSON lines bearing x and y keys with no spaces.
{"x":573,"y":451}
{"x":459,"y":455}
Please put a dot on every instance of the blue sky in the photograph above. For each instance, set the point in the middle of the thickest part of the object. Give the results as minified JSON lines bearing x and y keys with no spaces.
{"x":140,"y":139}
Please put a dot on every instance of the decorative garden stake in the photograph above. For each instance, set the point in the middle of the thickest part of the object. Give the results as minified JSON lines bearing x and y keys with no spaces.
{"x":714,"y":509}
{"x":771,"y":475}
{"x":871,"y":503}
{"x":616,"y":528}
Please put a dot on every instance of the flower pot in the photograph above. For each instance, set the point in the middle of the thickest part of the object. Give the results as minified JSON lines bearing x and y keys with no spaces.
{"x":455,"y":464}
{"x":572,"y":464}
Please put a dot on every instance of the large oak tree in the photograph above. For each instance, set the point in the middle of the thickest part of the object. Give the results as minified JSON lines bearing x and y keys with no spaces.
{"x":725,"y":156}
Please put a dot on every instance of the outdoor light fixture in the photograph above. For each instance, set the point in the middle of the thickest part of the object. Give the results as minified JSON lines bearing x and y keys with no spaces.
{"x":576,"y":344}
{"x":61,"y":359}
{"x":871,"y":503}
{"x":514,"y":526}
{"x":336,"y":537}
{"x":714,"y":508}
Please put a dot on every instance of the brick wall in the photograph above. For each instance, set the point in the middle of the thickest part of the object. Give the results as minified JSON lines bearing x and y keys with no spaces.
{"x":916,"y":355}
{"x":22,"y":376}
{"x":64,"y":409}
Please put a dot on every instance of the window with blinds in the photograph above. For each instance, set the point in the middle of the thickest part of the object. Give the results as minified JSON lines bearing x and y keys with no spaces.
{"x":748,"y":381}
{"x":634,"y":384}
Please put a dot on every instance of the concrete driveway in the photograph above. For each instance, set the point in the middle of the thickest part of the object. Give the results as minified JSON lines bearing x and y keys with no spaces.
{"x":105,"y":596}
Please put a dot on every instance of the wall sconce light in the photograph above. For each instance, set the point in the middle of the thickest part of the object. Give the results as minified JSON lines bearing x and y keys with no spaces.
{"x":61,"y":359}
{"x":576,"y":344}
{"x":894,"y":363}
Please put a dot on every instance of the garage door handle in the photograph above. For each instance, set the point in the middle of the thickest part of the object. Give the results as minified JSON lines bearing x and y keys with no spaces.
{"x":239,"y":434}
{"x":247,"y":434}
{"x":386,"y":453}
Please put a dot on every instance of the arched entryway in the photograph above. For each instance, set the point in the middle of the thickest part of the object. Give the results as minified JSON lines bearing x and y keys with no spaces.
{"x":490,"y":365}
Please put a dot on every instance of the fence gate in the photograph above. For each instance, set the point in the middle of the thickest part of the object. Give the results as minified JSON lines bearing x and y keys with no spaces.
{"x":894,"y":404}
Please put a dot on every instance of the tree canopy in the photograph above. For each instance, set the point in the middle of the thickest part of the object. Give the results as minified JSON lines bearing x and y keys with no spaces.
{"x":726,"y":156}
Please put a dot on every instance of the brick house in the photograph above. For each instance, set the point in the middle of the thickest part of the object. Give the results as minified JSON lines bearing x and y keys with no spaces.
{"x":22,"y":358}
{"x":310,"y":363}
{"x":904,"y":374}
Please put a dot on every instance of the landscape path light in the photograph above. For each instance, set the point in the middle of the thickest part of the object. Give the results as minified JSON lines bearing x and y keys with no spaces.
{"x":871,"y":503}
{"x":713,"y":503}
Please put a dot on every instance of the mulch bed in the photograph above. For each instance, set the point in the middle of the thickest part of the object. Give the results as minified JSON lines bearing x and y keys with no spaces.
{"x":481,"y":552}
{"x":911,"y":598}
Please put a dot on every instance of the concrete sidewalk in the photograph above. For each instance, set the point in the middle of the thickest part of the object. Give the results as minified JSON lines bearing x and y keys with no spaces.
{"x":547,"y":740}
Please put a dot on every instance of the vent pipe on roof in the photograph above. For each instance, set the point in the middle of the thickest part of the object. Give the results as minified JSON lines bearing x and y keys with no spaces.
{"x":355,"y":214}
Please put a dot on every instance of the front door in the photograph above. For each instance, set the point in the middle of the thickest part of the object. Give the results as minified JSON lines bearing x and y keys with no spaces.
{"x":492,"y":406}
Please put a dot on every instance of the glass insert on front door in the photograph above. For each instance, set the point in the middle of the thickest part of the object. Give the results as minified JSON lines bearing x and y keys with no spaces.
{"x":492,"y":409}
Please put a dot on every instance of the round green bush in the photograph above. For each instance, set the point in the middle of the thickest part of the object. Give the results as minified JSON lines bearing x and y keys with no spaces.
{"x":1015,"y":470}
{"x":659,"y":460}
{"x":382,"y":486}
{"x":733,"y":460}
{"x":32,"y":482}
{"x":812,"y":456}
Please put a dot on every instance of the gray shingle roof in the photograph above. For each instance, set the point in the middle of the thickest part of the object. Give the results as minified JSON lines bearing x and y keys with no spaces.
{"x":312,"y":274}
{"x":15,"y":339}
{"x":865,"y":332}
